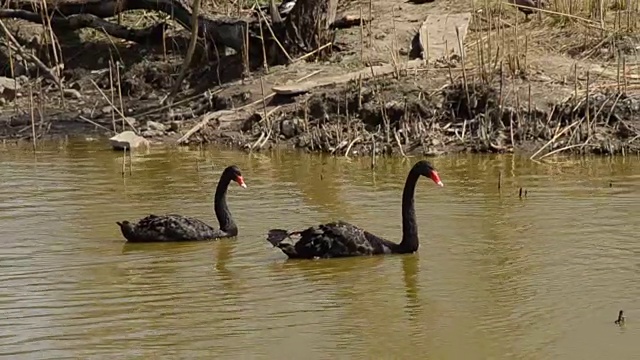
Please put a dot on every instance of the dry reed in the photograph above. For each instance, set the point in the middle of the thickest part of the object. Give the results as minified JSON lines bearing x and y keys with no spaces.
{"x":195,"y":8}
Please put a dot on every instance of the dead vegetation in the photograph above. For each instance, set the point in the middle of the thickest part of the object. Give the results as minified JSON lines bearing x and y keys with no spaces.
{"x":400,"y":118}
{"x":561,"y":81}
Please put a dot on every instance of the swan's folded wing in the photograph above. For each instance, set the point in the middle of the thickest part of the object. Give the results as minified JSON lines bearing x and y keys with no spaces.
{"x":349,"y":239}
{"x":360,"y":241}
{"x":174,"y":227}
{"x":190,"y":228}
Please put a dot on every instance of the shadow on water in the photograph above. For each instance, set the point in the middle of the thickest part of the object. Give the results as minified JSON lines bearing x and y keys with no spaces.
{"x":165,"y":253}
{"x":224,"y":250}
{"x":410,"y":272}
{"x":166,"y":248}
{"x":328,"y":271}
{"x":376,"y":296}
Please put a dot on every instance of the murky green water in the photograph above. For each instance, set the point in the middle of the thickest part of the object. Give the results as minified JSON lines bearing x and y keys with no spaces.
{"x":496,"y":277}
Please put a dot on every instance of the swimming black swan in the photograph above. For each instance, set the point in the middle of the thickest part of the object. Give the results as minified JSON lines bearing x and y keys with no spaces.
{"x":182,"y":228}
{"x":341,"y":239}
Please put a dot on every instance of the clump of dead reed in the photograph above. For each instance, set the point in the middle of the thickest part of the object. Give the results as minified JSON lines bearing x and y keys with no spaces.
{"x":47,"y":66}
{"x":378,"y":119}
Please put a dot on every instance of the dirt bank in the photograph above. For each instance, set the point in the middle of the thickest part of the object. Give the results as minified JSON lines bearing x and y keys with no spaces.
{"x":389,"y":116}
{"x":552,"y":98}
{"x":402,"y":117}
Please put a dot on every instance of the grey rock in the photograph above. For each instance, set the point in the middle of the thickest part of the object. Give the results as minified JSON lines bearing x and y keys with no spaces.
{"x":107,"y":110}
{"x":8,"y":88}
{"x":131,"y":120}
{"x":127,"y":139}
{"x":152,"y":133}
{"x":288,"y":128}
{"x":155,"y":126}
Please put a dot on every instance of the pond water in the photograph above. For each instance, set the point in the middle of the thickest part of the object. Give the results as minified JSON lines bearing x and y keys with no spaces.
{"x":495,"y":277}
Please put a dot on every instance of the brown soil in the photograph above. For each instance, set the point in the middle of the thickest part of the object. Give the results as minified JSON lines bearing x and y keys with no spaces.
{"x":539,"y":97}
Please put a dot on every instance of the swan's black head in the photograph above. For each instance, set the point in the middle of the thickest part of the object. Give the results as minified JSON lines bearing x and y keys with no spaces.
{"x":233,"y":173}
{"x":424,"y":168}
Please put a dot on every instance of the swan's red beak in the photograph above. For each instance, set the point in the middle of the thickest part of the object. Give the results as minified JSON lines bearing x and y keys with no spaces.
{"x":436,"y":178}
{"x":240,"y":181}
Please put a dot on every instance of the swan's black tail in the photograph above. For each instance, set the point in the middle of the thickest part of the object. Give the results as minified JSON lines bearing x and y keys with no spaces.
{"x":126,"y":228}
{"x":276,"y":236}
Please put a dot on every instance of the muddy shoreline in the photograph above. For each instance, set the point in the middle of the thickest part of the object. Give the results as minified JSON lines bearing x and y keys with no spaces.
{"x":547,"y":106}
{"x":383,"y":116}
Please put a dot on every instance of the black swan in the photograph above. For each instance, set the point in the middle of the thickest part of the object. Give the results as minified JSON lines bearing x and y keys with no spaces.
{"x":173,"y":227}
{"x":341,"y":239}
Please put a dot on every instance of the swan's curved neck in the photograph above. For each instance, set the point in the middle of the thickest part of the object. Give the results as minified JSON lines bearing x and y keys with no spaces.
{"x":220,"y":205}
{"x":410,"y":240}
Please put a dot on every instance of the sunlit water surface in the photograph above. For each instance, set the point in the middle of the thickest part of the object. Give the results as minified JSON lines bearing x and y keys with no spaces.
{"x":495,"y":277}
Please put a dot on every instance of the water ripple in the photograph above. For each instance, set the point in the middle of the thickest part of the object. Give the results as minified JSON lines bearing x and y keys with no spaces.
{"x":496,"y":276}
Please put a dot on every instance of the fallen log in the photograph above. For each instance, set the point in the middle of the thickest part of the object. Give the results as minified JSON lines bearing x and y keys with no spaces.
{"x":308,"y":27}
{"x":366,"y":73}
{"x":76,"y":14}
{"x":75,"y":22}
{"x":348,"y":21}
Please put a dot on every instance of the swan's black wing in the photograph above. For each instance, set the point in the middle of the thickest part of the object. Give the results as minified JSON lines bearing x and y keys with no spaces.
{"x":336,"y":239}
{"x":170,"y":227}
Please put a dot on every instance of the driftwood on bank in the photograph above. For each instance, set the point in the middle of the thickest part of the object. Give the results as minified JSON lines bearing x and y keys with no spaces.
{"x":348,"y":21}
{"x":221,"y":116}
{"x":366,"y":73}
